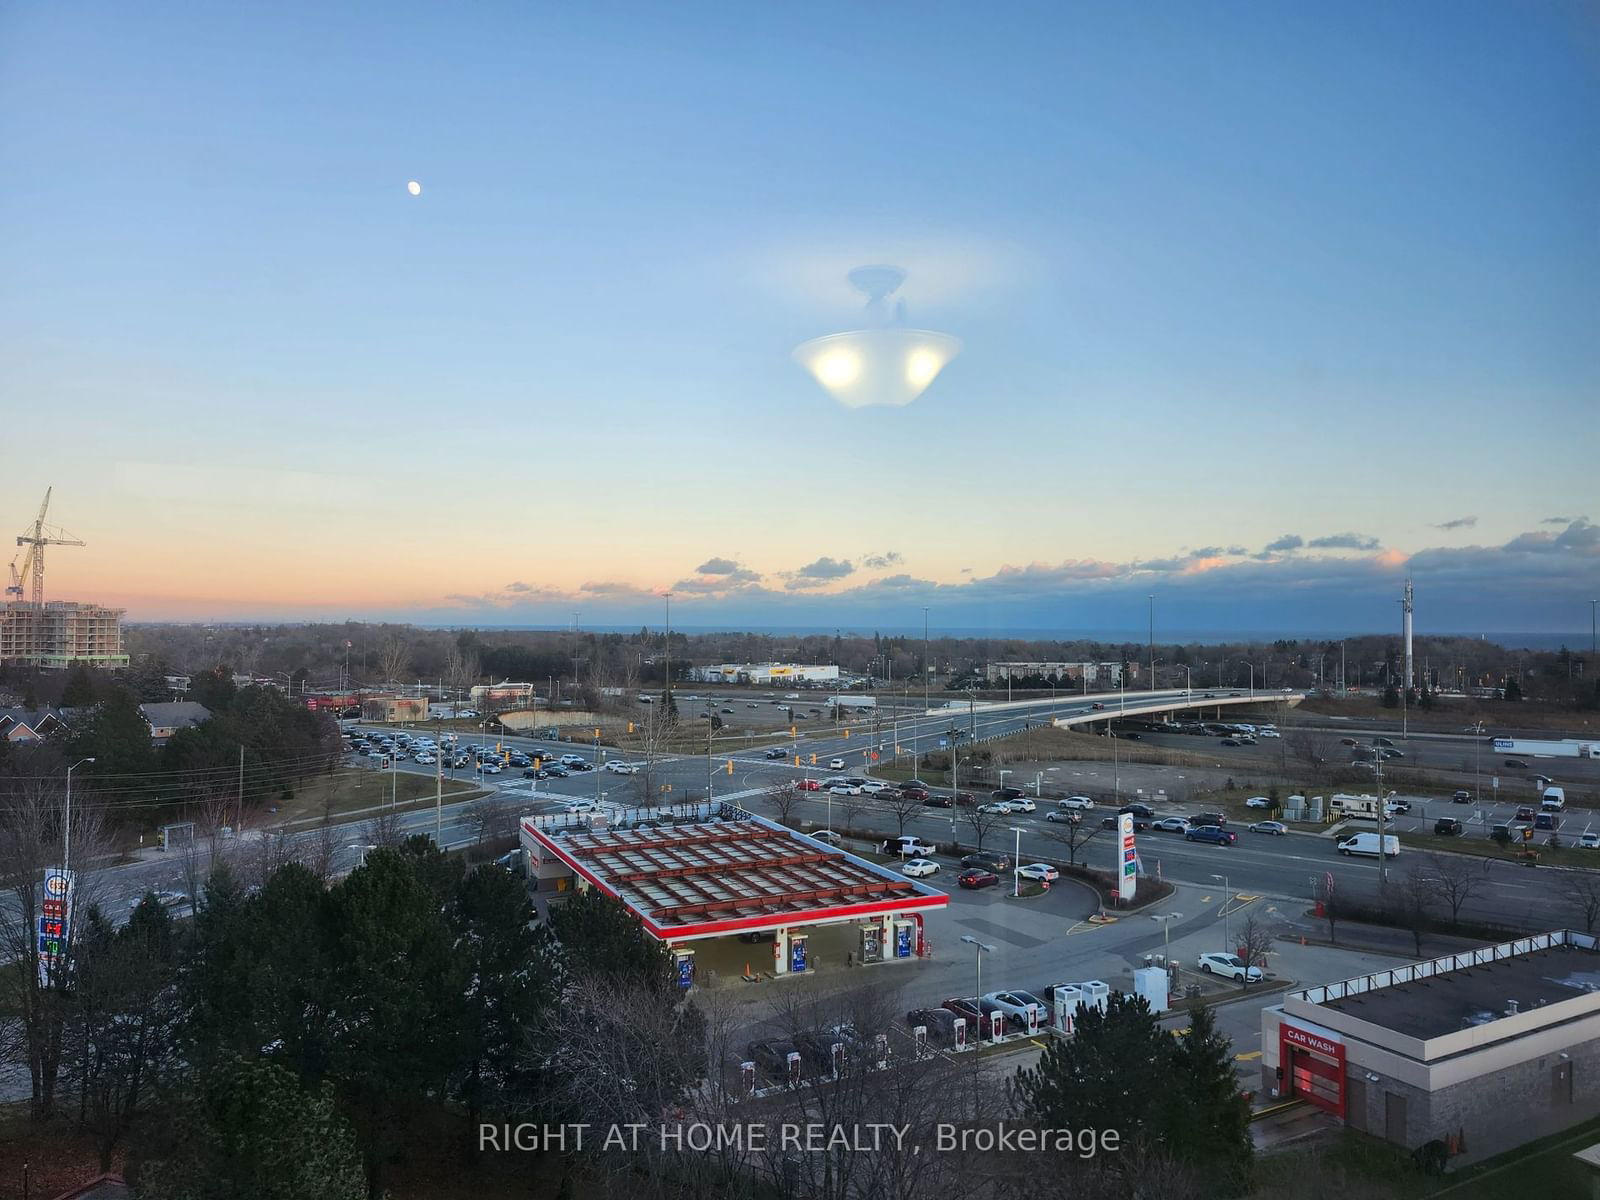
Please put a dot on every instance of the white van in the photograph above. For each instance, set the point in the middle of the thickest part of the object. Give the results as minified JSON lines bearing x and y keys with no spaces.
{"x":1367,"y":844}
{"x":1553,"y":800}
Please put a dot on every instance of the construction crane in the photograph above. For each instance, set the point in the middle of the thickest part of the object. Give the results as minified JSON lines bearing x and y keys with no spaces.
{"x":36,"y":539}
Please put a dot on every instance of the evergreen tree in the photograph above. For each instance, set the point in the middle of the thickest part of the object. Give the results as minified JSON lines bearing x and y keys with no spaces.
{"x":79,"y":691}
{"x":600,"y":938}
{"x":1206,"y":1122}
{"x":1513,"y":690}
{"x":1118,"y":1067}
{"x":115,"y":734}
{"x":1391,"y":697}
{"x":249,"y":1131}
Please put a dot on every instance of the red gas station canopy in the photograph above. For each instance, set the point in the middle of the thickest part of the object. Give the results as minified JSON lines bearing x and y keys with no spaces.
{"x":705,"y":880}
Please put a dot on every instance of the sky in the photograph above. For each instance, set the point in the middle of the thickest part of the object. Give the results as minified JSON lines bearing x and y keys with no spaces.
{"x":1261,"y":307}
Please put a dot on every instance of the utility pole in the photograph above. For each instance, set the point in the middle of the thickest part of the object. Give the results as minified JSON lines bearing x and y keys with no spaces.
{"x":1383,"y":812}
{"x":438,"y":799}
{"x":1152,"y":643}
{"x":239,"y":823}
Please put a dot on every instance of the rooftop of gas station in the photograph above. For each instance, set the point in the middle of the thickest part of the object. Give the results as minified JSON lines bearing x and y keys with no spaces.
{"x":721,"y":877}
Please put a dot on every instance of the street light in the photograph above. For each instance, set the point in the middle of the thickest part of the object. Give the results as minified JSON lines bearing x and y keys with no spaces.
{"x":1016,"y":863}
{"x":1166,"y":920}
{"x":1227,"y":937}
{"x":66,"y":825}
{"x":980,"y":948}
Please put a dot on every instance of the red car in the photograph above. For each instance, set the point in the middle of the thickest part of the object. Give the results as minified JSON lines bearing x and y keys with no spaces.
{"x":1524,"y":813}
{"x":977,"y":1020}
{"x":966,"y":799}
{"x":914,"y":793}
{"x":807,"y":785}
{"x":975,"y":878}
{"x":1097,"y":707}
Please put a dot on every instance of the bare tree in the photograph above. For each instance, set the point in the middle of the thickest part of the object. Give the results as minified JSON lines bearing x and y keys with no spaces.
{"x":1074,"y":835}
{"x":31,"y":826}
{"x":899,"y":805}
{"x":1456,"y":879}
{"x":394,"y":658}
{"x":1255,"y":943}
{"x":850,"y":805}
{"x":490,"y":817}
{"x":983,"y":823}
{"x":386,"y":828}
{"x":1409,"y":898}
{"x":1582,"y":891}
{"x":461,"y":669}
{"x":785,"y":802}
{"x":1332,"y":901}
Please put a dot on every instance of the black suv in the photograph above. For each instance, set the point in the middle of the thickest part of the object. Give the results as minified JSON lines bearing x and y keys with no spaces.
{"x":777,"y":752}
{"x":1008,"y":793}
{"x":1138,"y":810}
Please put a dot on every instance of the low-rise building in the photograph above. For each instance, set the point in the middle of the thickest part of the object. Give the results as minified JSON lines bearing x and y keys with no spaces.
{"x":166,"y":719}
{"x":30,"y":724}
{"x":1104,"y":674}
{"x":1480,"y":1051}
{"x":766,"y":673}
{"x":394,"y":708}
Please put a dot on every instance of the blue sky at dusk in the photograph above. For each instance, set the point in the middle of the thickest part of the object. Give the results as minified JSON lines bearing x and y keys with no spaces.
{"x":1261,"y":309}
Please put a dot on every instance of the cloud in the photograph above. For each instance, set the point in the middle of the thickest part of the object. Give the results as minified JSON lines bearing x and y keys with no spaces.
{"x":518,"y":586}
{"x":1344,"y":541}
{"x":1556,"y":521}
{"x":1289,"y":541}
{"x":901,"y":581}
{"x":827,"y":568}
{"x":877,"y":562}
{"x":1458,"y":523}
{"x":717,"y":566}
{"x":1581,"y":537}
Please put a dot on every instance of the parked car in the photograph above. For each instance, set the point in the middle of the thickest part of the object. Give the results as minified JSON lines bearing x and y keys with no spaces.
{"x":1210,"y":833}
{"x":1589,"y":841}
{"x":1448,"y":827}
{"x":1040,"y":872}
{"x":974,"y":879}
{"x":1547,"y":820}
{"x":1062,"y":816}
{"x":1276,"y":828}
{"x":1079,"y":802}
{"x":771,"y":1056}
{"x":987,"y":862}
{"x":1524,"y":813}
{"x":907,"y":845}
{"x":1015,"y":1006}
{"x":969,"y":1010}
{"x":1230,"y":966}
{"x":920,"y":868}
{"x":939,"y":1022}
{"x":828,"y":836}
{"x":1172,"y":824}
{"x":1258,"y":802}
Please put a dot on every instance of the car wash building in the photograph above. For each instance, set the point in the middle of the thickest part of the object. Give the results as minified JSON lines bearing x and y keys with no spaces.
{"x":1479,"y":1051}
{"x":727,"y":872}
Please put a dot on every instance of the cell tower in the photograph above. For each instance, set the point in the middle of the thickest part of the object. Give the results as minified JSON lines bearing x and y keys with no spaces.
{"x":1405,"y":608}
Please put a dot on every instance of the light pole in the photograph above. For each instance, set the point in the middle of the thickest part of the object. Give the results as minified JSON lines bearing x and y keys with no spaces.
{"x":66,"y":824}
{"x":1166,"y":920}
{"x":1227,"y":936}
{"x":1003,"y":775}
{"x":1152,"y":643}
{"x":1477,"y":766}
{"x":1016,"y":863}
{"x":979,"y":950}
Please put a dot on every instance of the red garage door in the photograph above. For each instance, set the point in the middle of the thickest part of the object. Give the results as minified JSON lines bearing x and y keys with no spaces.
{"x":1313,"y":1066}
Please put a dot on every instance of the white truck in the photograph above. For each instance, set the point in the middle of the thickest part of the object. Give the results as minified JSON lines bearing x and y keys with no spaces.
{"x":852,"y":702}
{"x":1553,"y":800}
{"x":1367,"y":844}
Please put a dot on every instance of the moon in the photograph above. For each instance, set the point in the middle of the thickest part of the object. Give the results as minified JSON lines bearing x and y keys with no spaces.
{"x":414,"y":188}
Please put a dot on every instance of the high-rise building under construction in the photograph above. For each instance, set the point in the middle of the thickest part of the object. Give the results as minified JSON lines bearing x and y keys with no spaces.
{"x":62,"y":632}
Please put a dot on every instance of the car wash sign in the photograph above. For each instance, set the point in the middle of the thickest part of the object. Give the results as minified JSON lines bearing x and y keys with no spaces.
{"x":55,"y":925}
{"x":1128,"y":881}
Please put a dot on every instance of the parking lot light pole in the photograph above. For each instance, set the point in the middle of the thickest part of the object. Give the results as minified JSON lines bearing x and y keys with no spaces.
{"x":1166,"y":920}
{"x":66,"y":823}
{"x":1227,"y":935}
{"x":1016,"y":863}
{"x":979,"y":950}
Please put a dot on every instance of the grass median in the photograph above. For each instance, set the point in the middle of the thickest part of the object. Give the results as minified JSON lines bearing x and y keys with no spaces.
{"x":352,"y":789}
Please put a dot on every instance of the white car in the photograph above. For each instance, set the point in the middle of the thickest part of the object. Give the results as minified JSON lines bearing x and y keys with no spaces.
{"x":1258,"y":802}
{"x":836,"y":764}
{"x":581,"y":806}
{"x":618,"y":767}
{"x":1021,"y":804}
{"x":1268,"y":733}
{"x":568,"y":760}
{"x":425,"y":759}
{"x":1042,"y":872}
{"x":1001,"y":807}
{"x":1081,"y":802}
{"x":920,"y":868}
{"x":490,"y":767}
{"x":167,"y":899}
{"x":828,"y":836}
{"x":1016,"y":1005}
{"x":1589,"y":841}
{"x":1172,"y":824}
{"x":873,"y":786}
{"x":1230,"y":966}
{"x":1062,"y":816}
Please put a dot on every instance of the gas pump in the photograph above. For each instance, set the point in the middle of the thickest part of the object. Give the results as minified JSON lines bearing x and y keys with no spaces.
{"x":960,"y":1031}
{"x":683,"y":965}
{"x":903,"y":934}
{"x":1033,"y":1020}
{"x":797,"y":953}
{"x":872,"y":943}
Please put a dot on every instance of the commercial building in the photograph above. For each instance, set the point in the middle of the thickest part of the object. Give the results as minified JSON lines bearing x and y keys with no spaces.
{"x":1479,"y":1051}
{"x":394,"y":708}
{"x":60,"y":633}
{"x":1105,"y":674}
{"x":730,"y":873}
{"x":766,"y":673}
{"x":502,"y":695}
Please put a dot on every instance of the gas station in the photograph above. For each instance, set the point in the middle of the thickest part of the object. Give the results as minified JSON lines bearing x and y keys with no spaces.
{"x":735,"y":873}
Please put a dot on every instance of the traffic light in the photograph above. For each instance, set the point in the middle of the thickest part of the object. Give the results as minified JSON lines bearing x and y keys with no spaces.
{"x":630,"y":726}
{"x":730,"y":766}
{"x":794,"y":731}
{"x":797,"y":760}
{"x":847,"y":735}
{"x":597,"y":733}
{"x":813,"y":760}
